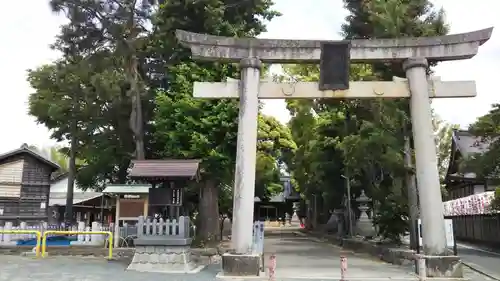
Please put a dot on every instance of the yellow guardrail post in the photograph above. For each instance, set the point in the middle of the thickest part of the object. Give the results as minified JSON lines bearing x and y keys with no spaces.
{"x":108,"y":233}
{"x":36,"y":232}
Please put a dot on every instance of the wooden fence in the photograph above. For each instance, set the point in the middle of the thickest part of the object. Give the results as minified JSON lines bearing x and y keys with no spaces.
{"x":481,"y":228}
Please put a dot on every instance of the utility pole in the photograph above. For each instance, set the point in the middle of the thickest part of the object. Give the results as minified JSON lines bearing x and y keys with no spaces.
{"x":412,"y":192}
{"x":348,"y":201}
{"x":347,"y":177}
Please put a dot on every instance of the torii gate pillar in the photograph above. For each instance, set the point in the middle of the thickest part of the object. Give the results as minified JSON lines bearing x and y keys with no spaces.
{"x":427,"y":173}
{"x":244,"y":178}
{"x":413,"y":52}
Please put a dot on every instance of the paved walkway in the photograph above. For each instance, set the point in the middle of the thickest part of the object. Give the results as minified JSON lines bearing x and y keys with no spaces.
{"x":301,"y":257}
{"x":298,"y":258}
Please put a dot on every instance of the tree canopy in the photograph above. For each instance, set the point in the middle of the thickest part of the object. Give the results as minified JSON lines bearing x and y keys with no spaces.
{"x":486,"y":164}
{"x":126,"y":83}
{"x":362,"y":140}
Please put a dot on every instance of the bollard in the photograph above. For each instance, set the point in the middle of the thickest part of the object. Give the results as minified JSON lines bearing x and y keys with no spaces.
{"x":272,"y":266}
{"x":343,"y":267}
{"x":422,"y":270}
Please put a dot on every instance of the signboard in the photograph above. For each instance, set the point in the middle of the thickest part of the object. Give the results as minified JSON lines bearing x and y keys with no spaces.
{"x":334,"y":65}
{"x":448,"y":228}
{"x":258,"y":237}
{"x":130,"y":196}
{"x":165,"y":197}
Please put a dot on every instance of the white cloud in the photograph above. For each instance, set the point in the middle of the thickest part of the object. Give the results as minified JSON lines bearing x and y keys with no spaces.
{"x":26,"y":40}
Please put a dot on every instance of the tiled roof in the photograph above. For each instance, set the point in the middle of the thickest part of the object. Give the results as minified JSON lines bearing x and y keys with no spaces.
{"x":59,"y":199}
{"x":25,"y":149}
{"x":469,"y":144}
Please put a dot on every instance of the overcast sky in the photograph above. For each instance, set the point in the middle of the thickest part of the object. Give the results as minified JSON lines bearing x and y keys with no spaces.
{"x":26,"y":37}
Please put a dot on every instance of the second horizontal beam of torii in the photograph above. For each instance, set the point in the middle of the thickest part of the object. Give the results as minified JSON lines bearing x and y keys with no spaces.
{"x":398,"y":88}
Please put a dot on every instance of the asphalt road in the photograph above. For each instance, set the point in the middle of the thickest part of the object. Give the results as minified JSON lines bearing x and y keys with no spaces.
{"x":486,"y":261}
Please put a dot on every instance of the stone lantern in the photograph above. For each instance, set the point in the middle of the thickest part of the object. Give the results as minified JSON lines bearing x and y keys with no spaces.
{"x":364,"y":226}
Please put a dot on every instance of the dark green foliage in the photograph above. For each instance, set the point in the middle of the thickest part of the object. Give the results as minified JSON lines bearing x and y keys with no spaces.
{"x":361,"y":139}
{"x":487,"y":163}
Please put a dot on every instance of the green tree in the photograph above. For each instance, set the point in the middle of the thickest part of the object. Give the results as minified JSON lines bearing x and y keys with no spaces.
{"x":55,"y":154}
{"x":486,"y":164}
{"x":105,"y":142}
{"x":389,"y":19}
{"x":443,"y":133}
{"x":365,"y":139}
{"x":128,"y":59}
{"x":274,"y":143}
{"x":195,"y":128}
{"x":119,"y":27}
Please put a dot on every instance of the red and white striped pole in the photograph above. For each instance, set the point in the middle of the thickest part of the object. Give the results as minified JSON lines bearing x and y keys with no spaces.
{"x":343,"y":267}
{"x":272,"y":266}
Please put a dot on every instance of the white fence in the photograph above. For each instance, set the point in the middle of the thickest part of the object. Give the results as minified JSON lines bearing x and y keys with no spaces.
{"x":81,"y":239}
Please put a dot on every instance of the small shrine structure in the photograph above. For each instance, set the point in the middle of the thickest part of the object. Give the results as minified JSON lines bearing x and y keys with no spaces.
{"x":164,"y":237}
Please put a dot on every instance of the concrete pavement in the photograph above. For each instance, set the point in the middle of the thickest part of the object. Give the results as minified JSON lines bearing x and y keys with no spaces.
{"x":299,"y":256}
{"x":15,"y":268}
{"x":485,"y":261}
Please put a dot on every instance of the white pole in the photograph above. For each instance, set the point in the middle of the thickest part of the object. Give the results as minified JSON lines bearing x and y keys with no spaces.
{"x":244,"y":189}
{"x":422,"y":270}
{"x":117,"y":223}
{"x":431,"y":203}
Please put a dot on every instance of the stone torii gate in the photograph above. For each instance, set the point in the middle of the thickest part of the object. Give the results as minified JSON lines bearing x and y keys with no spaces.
{"x":414,"y":53}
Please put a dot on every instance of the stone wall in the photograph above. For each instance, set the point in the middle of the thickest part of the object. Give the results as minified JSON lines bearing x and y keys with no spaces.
{"x":199,"y":255}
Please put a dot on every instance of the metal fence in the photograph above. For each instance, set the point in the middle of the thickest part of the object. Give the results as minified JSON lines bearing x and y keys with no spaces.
{"x":16,"y":238}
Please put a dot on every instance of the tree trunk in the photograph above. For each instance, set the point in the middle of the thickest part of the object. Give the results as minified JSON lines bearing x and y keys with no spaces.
{"x":123,"y":172}
{"x":222,"y":219}
{"x":136,"y":115}
{"x":71,"y":172}
{"x":209,"y":212}
{"x":411,"y":186}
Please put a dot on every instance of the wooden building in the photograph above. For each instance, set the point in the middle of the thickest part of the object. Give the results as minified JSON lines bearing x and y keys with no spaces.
{"x":159,"y":192}
{"x":279,"y":205}
{"x":460,"y":182}
{"x":88,"y":205}
{"x":25,"y":185}
{"x":129,"y":201}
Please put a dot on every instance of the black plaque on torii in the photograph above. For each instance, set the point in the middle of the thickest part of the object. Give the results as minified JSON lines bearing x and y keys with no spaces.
{"x":334,"y":65}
